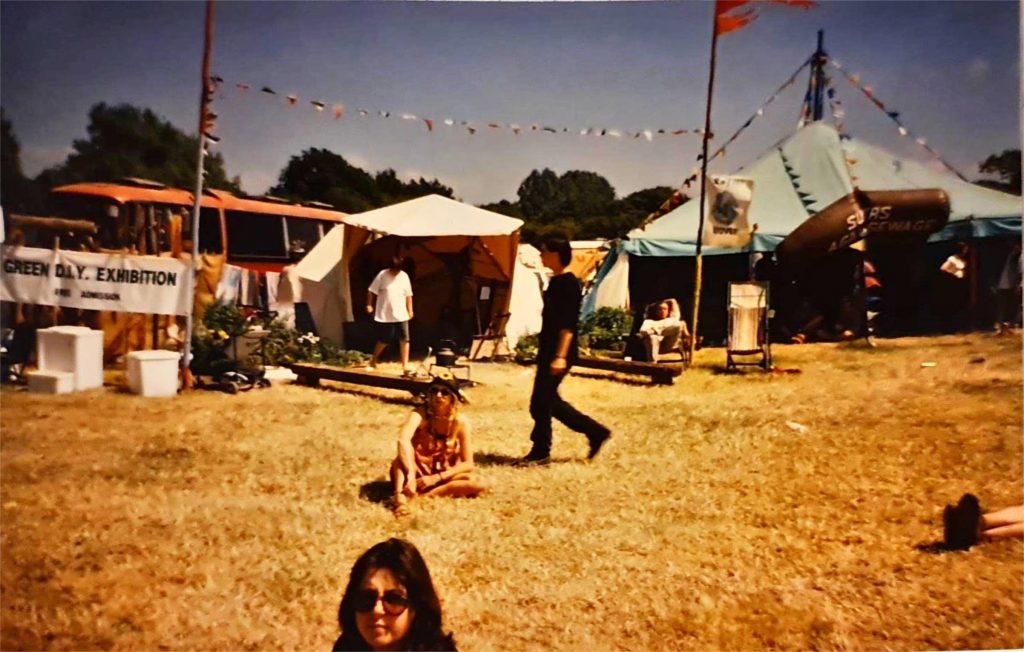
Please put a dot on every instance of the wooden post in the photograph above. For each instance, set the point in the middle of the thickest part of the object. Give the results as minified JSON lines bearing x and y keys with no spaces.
{"x":205,"y":94}
{"x":703,"y":190}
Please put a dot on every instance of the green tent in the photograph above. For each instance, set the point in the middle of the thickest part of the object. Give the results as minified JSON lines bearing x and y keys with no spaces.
{"x":812,"y":169}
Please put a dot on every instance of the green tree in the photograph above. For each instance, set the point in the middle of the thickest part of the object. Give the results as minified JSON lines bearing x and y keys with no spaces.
{"x":538,"y":195}
{"x":128,"y":141}
{"x":321,"y":175}
{"x":584,"y":195}
{"x":504,"y":207}
{"x":14,"y":186}
{"x":1005,"y":165}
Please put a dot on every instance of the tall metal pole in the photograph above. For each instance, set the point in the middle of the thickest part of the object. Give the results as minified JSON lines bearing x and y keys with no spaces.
{"x":205,"y":94}
{"x":703,"y":191}
{"x":818,"y":74}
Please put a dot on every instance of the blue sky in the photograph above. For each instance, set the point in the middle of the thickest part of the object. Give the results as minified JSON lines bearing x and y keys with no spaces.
{"x":950,"y":68}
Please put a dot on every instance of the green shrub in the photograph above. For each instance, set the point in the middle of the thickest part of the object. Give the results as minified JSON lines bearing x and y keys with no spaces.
{"x":280,"y":344}
{"x":225,"y":317}
{"x":607,"y":328}
{"x":526,"y":348}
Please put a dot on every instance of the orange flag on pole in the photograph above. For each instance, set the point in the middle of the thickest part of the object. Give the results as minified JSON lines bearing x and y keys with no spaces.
{"x":727,"y":20}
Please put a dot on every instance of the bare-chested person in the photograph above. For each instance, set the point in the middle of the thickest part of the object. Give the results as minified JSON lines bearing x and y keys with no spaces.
{"x":435,"y":456}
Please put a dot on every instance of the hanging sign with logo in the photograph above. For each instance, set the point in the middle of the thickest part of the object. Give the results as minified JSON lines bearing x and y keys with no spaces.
{"x":725,"y":216}
{"x":94,"y":281}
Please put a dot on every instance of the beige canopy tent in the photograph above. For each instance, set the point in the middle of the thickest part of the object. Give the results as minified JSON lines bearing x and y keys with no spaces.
{"x":461,"y":261}
{"x":320,"y":280}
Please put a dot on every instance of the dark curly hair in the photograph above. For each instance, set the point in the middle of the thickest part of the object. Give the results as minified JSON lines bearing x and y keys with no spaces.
{"x":407,"y":565}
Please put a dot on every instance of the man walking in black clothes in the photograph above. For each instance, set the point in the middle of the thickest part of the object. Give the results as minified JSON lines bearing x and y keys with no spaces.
{"x":557,"y":351}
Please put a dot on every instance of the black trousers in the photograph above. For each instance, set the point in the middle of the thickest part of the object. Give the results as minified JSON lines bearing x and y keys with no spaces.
{"x":545,"y":403}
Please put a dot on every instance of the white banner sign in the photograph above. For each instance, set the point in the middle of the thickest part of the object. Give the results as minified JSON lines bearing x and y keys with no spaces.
{"x":91,"y":281}
{"x":725,"y":218}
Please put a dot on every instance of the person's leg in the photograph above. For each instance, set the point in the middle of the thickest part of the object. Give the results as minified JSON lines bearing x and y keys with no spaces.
{"x":1006,"y":516}
{"x":1014,"y":531}
{"x":403,"y":344}
{"x":378,"y":348}
{"x":653,"y":344}
{"x":403,"y":352}
{"x":544,"y":393}
{"x":464,"y":485}
{"x":398,"y":477}
{"x":576,"y":420}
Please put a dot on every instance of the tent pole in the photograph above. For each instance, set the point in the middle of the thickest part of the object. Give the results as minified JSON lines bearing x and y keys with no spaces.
{"x":703,"y":189}
{"x":818,"y":72}
{"x":205,"y":95}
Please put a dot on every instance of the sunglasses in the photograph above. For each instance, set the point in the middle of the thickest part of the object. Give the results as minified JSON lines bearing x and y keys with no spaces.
{"x":394,"y":602}
{"x":440,"y":391}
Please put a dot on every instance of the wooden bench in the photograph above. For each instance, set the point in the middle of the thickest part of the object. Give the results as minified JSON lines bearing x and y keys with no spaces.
{"x":312,"y":374}
{"x":660,"y":374}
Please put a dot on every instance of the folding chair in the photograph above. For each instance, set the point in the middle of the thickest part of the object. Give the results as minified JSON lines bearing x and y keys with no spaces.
{"x":495,"y":334}
{"x":673,"y":338}
{"x":748,"y":325}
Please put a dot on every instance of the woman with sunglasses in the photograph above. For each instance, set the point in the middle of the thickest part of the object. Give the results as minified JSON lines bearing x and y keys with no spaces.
{"x":435,"y":457}
{"x":390,"y":603}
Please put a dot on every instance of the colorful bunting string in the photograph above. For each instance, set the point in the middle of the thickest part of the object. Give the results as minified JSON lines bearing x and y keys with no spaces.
{"x":474,"y":127}
{"x":869,"y":92}
{"x":838,"y":116}
{"x":676,"y":198}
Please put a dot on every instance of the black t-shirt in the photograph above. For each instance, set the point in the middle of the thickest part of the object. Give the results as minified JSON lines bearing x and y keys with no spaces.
{"x":561,"y":311}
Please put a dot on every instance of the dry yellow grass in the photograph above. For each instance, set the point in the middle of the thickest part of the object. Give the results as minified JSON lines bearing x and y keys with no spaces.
{"x":220,"y":523}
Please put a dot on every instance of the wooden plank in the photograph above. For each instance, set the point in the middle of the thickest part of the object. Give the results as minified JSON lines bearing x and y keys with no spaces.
{"x":53,"y":223}
{"x":659,"y":373}
{"x":311,"y":374}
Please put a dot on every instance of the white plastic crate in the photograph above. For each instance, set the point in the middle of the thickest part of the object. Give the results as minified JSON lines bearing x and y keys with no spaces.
{"x":153,"y":373}
{"x":75,"y":349}
{"x":50,"y":382}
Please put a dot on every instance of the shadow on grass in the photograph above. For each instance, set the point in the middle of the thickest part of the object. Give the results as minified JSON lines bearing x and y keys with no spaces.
{"x":377,"y":491}
{"x":625,"y":380}
{"x":496,"y":459}
{"x":934,"y":548}
{"x":346,"y":389}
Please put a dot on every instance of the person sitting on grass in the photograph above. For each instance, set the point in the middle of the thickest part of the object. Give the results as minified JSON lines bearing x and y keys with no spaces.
{"x":966,"y":525}
{"x":435,"y":457}
{"x":663,"y":329}
{"x":390,"y":603}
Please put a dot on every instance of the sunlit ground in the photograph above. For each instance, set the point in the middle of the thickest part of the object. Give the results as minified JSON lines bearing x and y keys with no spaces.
{"x":728,"y":512}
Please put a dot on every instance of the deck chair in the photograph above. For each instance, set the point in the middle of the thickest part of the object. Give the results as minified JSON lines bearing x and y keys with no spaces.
{"x":748,"y":325}
{"x":492,"y":343}
{"x":671,"y":339}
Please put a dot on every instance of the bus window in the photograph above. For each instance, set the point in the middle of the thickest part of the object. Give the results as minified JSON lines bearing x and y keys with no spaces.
{"x":255,"y":235}
{"x":303,"y":234}
{"x":210,"y":241}
{"x":95,"y":209}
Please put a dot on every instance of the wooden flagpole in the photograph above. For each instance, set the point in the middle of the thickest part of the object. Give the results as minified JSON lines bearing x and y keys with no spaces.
{"x":205,"y":95}
{"x":703,"y":185}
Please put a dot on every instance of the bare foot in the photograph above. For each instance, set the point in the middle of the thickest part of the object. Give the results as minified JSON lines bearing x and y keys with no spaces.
{"x":400,"y":507}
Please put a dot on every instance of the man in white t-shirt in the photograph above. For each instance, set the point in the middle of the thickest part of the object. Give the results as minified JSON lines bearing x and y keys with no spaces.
{"x":389,"y":300}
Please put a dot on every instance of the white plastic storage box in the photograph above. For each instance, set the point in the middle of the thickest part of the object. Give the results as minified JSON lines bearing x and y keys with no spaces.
{"x":76,"y":349}
{"x":153,"y":373}
{"x":50,"y":382}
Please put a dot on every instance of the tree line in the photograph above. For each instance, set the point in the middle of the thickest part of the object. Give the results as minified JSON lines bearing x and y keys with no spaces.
{"x":129,"y":141}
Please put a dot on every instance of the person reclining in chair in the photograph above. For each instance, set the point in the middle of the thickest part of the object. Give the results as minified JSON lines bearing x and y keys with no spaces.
{"x":663,"y":330}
